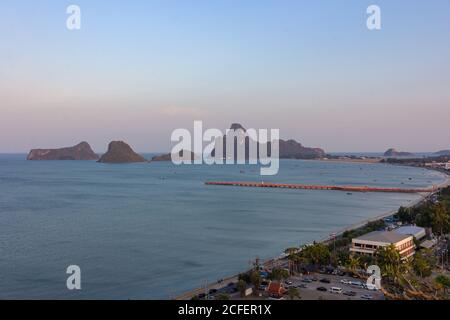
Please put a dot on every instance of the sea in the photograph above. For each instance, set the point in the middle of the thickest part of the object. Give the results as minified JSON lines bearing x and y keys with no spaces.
{"x":155,"y":230}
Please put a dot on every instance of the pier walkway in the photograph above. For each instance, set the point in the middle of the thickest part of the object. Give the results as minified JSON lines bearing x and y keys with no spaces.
{"x":317,"y":187}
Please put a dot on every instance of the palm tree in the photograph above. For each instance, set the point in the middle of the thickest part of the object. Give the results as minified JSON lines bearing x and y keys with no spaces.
{"x":389,"y":261}
{"x":241,"y":286}
{"x":292,"y":258}
{"x":353,"y":263}
{"x":442,"y":283}
{"x":255,"y":279}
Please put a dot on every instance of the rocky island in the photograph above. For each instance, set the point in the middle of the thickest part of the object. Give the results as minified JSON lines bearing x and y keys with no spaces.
{"x":289,"y":149}
{"x":81,"y":151}
{"x":120,"y":152}
{"x":292,"y":149}
{"x":394,"y":153}
{"x":168,"y":156}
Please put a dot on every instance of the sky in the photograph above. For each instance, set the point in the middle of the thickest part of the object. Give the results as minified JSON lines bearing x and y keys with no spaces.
{"x":137,"y":70}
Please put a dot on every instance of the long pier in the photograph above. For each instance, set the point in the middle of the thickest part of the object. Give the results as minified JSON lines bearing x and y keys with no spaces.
{"x":317,"y":187}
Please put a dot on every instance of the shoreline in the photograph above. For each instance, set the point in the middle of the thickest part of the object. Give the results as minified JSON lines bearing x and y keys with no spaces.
{"x":277,"y":260}
{"x":423,"y":196}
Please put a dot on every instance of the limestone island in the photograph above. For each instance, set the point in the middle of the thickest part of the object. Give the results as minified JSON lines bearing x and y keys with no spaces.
{"x":289,"y":149}
{"x":168,"y":156}
{"x":81,"y":151}
{"x":120,"y":152}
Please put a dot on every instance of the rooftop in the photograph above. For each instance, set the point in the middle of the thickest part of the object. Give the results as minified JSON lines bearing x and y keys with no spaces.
{"x":383,"y":236}
{"x":410,"y":230}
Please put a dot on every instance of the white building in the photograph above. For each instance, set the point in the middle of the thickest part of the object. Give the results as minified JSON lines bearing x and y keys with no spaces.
{"x":369,"y":243}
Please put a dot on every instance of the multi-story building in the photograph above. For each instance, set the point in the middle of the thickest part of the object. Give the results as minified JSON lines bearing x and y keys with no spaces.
{"x":369,"y":243}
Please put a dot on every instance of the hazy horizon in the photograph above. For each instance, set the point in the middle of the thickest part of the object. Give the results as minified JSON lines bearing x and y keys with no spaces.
{"x":138,"y":70}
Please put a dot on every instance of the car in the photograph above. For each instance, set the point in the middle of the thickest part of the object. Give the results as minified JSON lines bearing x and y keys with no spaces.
{"x":262,"y":288}
{"x":357,"y":284}
{"x":325,"y":280}
{"x":302,"y":285}
{"x":322,"y":289}
{"x":230,"y":284}
{"x":212,"y":291}
{"x":345,"y":281}
{"x":201,"y":296}
{"x":288,"y":282}
{"x":336,"y":290}
{"x":314,"y":279}
{"x":306,"y":280}
{"x":349,"y":293}
{"x":366,"y":297}
{"x":370,"y":287}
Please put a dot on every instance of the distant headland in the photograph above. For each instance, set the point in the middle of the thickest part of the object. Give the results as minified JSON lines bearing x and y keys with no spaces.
{"x":81,"y":151}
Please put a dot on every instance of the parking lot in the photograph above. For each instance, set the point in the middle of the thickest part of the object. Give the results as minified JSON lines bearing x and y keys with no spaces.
{"x":308,"y":284}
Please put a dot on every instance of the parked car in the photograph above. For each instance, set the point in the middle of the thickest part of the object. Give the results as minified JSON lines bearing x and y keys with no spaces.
{"x":349,"y":293}
{"x":302,"y":285}
{"x":357,"y":284}
{"x":322,"y":289}
{"x":367,"y":297}
{"x":314,"y":279}
{"x":325,"y":280}
{"x":370,"y":287}
{"x":306,"y":280}
{"x":336,"y":290}
{"x":212,"y":291}
{"x":288,"y":282}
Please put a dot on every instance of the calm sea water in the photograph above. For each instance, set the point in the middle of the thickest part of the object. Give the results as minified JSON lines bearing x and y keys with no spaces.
{"x":155,"y":230}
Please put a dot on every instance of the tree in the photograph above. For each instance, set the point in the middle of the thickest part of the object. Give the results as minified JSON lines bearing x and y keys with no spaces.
{"x":279,"y":274}
{"x":255,"y":279}
{"x":389,"y":260}
{"x":424,"y":262}
{"x":293,"y":293}
{"x":405,"y":215}
{"x":424,"y":216}
{"x":245,"y":277}
{"x":442,"y":282}
{"x":242,"y":286}
{"x":318,"y":254}
{"x":292,"y":258}
{"x":440,"y":220}
{"x":353,"y":263}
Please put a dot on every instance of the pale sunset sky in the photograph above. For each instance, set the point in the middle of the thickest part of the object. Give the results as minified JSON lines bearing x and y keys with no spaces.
{"x":137,"y":70}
